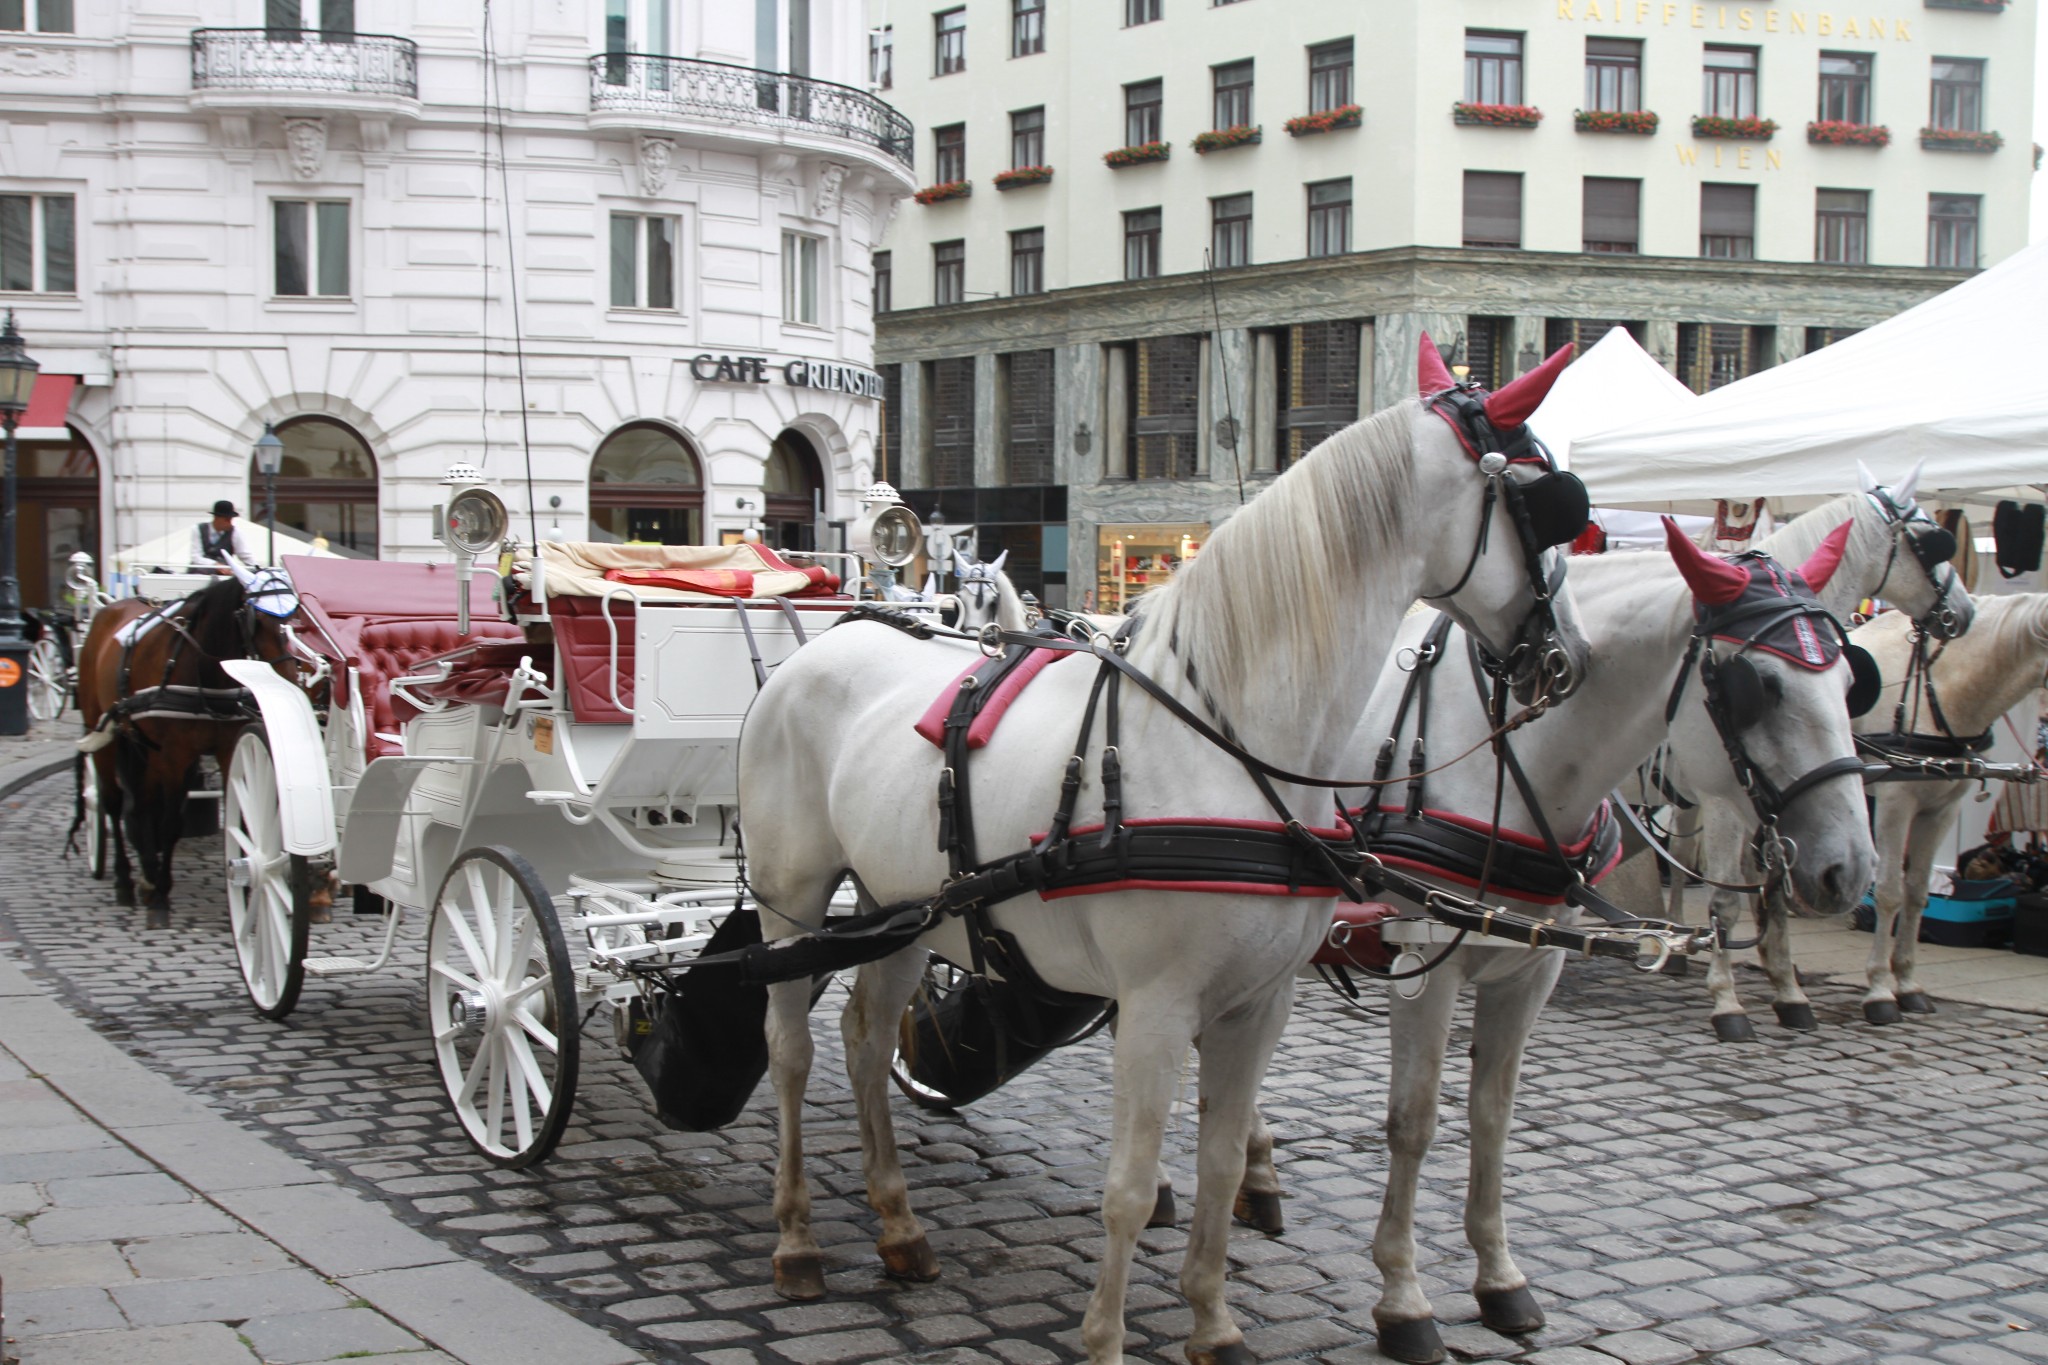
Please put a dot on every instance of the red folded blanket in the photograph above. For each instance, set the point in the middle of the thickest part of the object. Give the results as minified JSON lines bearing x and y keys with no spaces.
{"x":722,"y":582}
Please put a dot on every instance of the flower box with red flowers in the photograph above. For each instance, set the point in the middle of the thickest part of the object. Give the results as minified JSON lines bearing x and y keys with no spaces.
{"x":1222,"y":139}
{"x":1137,"y":154}
{"x":1496,"y":115}
{"x":1343,"y":116}
{"x":1959,"y":140}
{"x":939,"y":194}
{"x":1836,"y":132}
{"x":1734,"y":129}
{"x":1022,"y":176}
{"x":1639,"y":121}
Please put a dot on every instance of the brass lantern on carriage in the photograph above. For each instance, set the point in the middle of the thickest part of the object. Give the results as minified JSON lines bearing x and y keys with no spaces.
{"x":886,"y":532}
{"x":472,"y":522}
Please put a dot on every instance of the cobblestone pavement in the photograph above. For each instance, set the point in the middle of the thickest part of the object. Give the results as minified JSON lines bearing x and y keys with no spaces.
{"x":1853,"y":1194}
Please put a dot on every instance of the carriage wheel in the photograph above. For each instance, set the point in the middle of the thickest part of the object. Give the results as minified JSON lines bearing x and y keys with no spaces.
{"x":269,"y":890}
{"x":941,"y":979}
{"x":49,"y":688}
{"x":501,"y":1001}
{"x":95,"y":826}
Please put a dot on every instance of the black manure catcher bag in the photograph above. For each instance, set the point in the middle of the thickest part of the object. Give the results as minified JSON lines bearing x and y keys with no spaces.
{"x":706,"y":1046}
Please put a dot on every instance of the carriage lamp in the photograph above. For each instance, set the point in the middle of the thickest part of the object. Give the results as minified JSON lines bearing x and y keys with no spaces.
{"x":270,"y":459}
{"x":472,"y":522}
{"x":886,"y":531}
{"x":17,"y":383}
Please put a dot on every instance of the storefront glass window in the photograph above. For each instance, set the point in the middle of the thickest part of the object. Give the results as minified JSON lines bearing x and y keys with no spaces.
{"x":1133,"y":558}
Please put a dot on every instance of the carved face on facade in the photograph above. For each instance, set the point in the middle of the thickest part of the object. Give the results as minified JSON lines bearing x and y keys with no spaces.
{"x":655,"y":153}
{"x":305,"y":141}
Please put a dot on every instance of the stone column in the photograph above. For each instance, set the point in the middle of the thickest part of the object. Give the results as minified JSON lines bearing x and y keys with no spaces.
{"x":1660,"y":339}
{"x":1231,"y":385}
{"x":1261,"y":444}
{"x":1395,"y":338}
{"x":914,"y":460}
{"x":1524,"y":337}
{"x":991,"y":421}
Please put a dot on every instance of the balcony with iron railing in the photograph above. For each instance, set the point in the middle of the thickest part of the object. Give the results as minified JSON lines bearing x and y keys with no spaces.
{"x":303,"y":68}
{"x":635,"y":90}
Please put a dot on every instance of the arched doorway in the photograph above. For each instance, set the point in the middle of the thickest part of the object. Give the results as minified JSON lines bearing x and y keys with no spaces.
{"x":645,"y":486}
{"x":326,"y":487}
{"x":791,"y":486}
{"x":57,"y":515}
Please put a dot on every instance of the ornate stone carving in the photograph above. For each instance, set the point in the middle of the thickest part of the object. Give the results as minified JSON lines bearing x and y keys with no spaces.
{"x":38,"y":61}
{"x":825,"y":201}
{"x":305,"y":144}
{"x":655,"y":155}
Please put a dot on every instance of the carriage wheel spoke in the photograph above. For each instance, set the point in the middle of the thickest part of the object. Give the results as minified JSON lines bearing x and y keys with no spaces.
{"x":498,"y":1087}
{"x":525,"y":988}
{"x":470,"y":947}
{"x":505,"y":901}
{"x":529,"y":1067}
{"x":443,"y":970}
{"x":522,"y":1118}
{"x":486,"y":917}
{"x":516,"y":957}
{"x":473,"y":1075}
{"x":540,"y":1033}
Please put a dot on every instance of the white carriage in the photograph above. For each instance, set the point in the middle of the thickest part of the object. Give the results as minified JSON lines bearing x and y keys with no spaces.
{"x":568,"y":774}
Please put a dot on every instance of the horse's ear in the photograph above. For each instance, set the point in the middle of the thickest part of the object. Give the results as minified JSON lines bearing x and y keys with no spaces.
{"x":1865,"y":477}
{"x":1431,"y":374}
{"x":997,"y":565}
{"x":1713,"y":580}
{"x":1903,"y":494}
{"x":1820,"y":566}
{"x":931,"y":587}
{"x":1509,"y":407}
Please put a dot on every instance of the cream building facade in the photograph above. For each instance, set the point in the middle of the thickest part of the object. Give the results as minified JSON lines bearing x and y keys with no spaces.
{"x":1733,"y":183}
{"x":633,"y":241}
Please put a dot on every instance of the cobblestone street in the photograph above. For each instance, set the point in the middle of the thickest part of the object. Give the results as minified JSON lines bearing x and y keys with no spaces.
{"x":1853,"y":1194}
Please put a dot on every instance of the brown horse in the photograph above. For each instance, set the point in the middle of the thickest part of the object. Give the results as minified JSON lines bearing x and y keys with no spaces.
{"x":153,"y":708}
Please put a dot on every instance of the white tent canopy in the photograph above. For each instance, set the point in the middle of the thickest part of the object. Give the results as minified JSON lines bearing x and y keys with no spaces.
{"x":172,"y":550}
{"x":1961,"y":381}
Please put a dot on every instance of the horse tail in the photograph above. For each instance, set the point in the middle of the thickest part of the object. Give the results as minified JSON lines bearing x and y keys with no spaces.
{"x":77,"y":805}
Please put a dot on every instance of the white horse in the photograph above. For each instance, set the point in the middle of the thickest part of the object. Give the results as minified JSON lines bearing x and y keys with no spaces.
{"x":1637,"y":610}
{"x":1284,"y":620}
{"x":1975,"y":680}
{"x":1889,"y":543}
{"x":985,"y":592}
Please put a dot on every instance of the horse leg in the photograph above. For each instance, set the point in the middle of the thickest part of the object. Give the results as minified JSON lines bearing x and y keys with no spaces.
{"x":1234,"y":1052}
{"x":881,"y":992}
{"x":1420,"y":1031}
{"x":1731,"y":1022}
{"x":114,"y":810}
{"x":1150,"y":1047}
{"x":1258,"y":1199}
{"x":1925,"y":841}
{"x":1503,"y":1018}
{"x":1788,"y":997}
{"x":1892,"y":829}
{"x":799,"y":1265}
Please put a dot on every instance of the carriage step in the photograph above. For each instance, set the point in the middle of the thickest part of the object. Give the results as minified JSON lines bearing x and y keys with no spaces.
{"x":335,"y":966}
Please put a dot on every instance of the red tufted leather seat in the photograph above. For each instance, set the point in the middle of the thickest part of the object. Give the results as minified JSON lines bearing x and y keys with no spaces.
{"x":585,"y":645}
{"x":390,"y":649}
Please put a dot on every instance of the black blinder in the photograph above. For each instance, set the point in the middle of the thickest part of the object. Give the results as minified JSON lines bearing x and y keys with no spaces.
{"x":1741,"y":690}
{"x":1867,"y":681}
{"x":1558,"y":507}
{"x":1933,"y":547}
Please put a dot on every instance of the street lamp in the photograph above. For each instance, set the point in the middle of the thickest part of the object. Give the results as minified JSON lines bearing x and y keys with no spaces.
{"x":17,"y":382}
{"x":269,"y":459}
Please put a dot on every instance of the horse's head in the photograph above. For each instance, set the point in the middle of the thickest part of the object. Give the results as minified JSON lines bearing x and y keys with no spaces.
{"x":979,"y":590}
{"x":247,"y":616}
{"x":1918,"y":577}
{"x":1507,"y":512}
{"x":1777,"y":683}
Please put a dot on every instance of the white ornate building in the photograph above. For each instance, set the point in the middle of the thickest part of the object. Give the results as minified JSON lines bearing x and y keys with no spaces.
{"x":404,"y":241}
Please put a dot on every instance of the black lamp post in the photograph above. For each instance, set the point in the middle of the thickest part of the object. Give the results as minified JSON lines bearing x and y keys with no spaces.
{"x":17,"y":382}
{"x":269,"y":459}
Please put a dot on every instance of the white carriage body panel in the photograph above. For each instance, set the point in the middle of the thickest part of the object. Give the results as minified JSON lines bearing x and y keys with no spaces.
{"x":298,"y":748}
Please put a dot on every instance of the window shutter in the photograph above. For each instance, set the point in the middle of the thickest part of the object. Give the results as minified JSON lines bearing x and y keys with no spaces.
{"x":1728,"y":210}
{"x":1612,"y":210}
{"x":1493,"y":207}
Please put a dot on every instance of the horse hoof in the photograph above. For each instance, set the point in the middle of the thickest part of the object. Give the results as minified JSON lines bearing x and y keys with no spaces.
{"x":1260,"y":1209}
{"x":1676,"y":966}
{"x":1162,"y":1209}
{"x":158,"y":918}
{"x":1799,"y":1016}
{"x":1734,"y":1028}
{"x":1230,"y":1353}
{"x":1881,"y":1012}
{"x":1510,"y":1312}
{"x":800,"y":1275}
{"x":1414,"y":1340}
{"x":124,"y":896}
{"x":320,"y":917}
{"x":1916,"y":1002}
{"x":912,"y":1260}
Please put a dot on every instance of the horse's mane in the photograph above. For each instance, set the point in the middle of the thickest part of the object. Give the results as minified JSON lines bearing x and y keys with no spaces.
{"x":1266,"y":577}
{"x":214,"y":626}
{"x":1794,"y":542}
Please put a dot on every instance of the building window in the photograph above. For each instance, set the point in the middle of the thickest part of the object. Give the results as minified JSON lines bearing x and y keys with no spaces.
{"x":1031,"y":428}
{"x":1027,"y":138}
{"x":1329,"y":76}
{"x":800,"y":278}
{"x":1952,"y":231}
{"x":644,"y":261}
{"x":326,"y":484}
{"x":1842,"y":227}
{"x":1316,"y":385}
{"x":949,"y":272}
{"x":52,"y":16}
{"x":1329,"y":218}
{"x":950,"y":144}
{"x":1233,"y":104}
{"x":790,"y":485}
{"x":311,"y":247}
{"x":39,"y":244}
{"x":1141,"y":12}
{"x":1486,"y":349}
{"x":885,"y":282}
{"x":1612,"y":214}
{"x":1493,"y":209}
{"x":1027,"y":261}
{"x":882,"y":57}
{"x":1583,"y":332}
{"x":949,"y":46}
{"x":1958,"y":103}
{"x":329,"y":21}
{"x":1712,"y":355}
{"x":892,"y":419}
{"x":952,"y":412}
{"x":1845,"y":87}
{"x":1493,"y":67}
{"x":1614,"y":75}
{"x":1162,"y":407}
{"x":1141,"y":244}
{"x":645,"y":486}
{"x":1142,"y":103}
{"x":1027,"y":27}
{"x":1230,"y":231}
{"x":1818,"y":337}
{"x":1728,"y":222}
{"x":1728,"y":82}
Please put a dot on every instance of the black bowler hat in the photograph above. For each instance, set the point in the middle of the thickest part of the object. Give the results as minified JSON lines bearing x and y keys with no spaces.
{"x":224,"y":508}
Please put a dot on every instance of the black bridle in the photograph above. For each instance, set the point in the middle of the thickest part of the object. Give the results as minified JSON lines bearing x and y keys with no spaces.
{"x":1933,"y":548}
